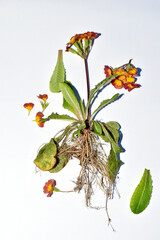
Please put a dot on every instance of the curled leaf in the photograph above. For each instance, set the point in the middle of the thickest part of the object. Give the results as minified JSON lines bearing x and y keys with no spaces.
{"x":45,"y":159}
{"x":60,"y":164}
{"x":142,"y":194}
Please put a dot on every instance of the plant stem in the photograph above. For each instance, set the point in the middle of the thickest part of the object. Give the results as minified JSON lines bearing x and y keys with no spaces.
{"x":88,"y":85}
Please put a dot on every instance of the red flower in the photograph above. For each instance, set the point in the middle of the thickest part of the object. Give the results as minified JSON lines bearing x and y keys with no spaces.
{"x":49,"y":186}
{"x":131,"y":86}
{"x":39,"y":116}
{"x":44,"y":97}
{"x":107,"y":71}
{"x":28,"y":106}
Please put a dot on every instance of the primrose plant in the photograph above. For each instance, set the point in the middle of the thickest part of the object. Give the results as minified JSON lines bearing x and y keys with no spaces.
{"x":82,"y":138}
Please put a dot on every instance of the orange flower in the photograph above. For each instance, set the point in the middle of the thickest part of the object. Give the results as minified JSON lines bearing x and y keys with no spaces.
{"x":44,"y":97}
{"x":28,"y":106}
{"x":130,"y":79}
{"x":133,"y":71}
{"x":39,"y":116}
{"x":117,"y":84}
{"x":80,"y":37}
{"x":49,"y":186}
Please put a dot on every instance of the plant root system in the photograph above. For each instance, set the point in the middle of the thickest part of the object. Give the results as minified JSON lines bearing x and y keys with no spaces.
{"x":89,"y":150}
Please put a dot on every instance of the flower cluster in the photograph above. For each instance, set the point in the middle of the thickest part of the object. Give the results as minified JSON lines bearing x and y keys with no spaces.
{"x":39,"y":115}
{"x":82,"y":42}
{"x":125,"y":76}
{"x":80,"y":37}
{"x":49,"y":187}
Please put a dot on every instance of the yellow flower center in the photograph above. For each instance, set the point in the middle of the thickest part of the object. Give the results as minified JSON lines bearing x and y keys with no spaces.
{"x":130,"y":79}
{"x":50,"y":188}
{"x":29,"y":107}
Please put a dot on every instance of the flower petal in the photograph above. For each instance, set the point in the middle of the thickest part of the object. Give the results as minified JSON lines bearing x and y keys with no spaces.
{"x":120,"y":72}
{"x":107,"y":71}
{"x":131,"y":86}
{"x":133,"y":71}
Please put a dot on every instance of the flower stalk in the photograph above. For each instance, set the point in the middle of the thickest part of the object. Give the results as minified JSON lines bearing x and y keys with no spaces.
{"x":88,"y":86}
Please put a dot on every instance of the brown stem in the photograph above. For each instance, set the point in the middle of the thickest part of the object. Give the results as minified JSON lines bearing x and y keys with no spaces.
{"x":88,"y":85}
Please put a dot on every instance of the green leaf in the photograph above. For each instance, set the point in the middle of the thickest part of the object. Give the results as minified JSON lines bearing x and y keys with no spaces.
{"x":67,"y":106}
{"x":97,"y":128}
{"x":71,"y":99}
{"x":113,"y":124}
{"x":56,"y":189}
{"x":61,"y":163}
{"x":58,"y":75}
{"x":113,"y":129}
{"x":45,"y":159}
{"x":59,"y":117}
{"x":82,"y":108}
{"x":77,"y":132}
{"x":97,"y":88}
{"x":109,"y":138}
{"x":104,"y":103}
{"x":113,"y":164}
{"x":142,"y":194}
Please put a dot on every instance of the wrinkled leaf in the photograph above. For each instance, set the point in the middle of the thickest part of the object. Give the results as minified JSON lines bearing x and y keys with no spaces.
{"x":61,"y":163}
{"x":105,"y":103}
{"x":59,"y":117}
{"x":113,"y":164}
{"x":113,"y":128}
{"x":113,"y":124}
{"x":71,"y":99}
{"x":45,"y":159}
{"x":142,"y":194}
{"x":58,"y":75}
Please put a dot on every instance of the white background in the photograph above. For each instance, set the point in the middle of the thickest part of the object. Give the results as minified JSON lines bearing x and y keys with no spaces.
{"x":31,"y":32}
